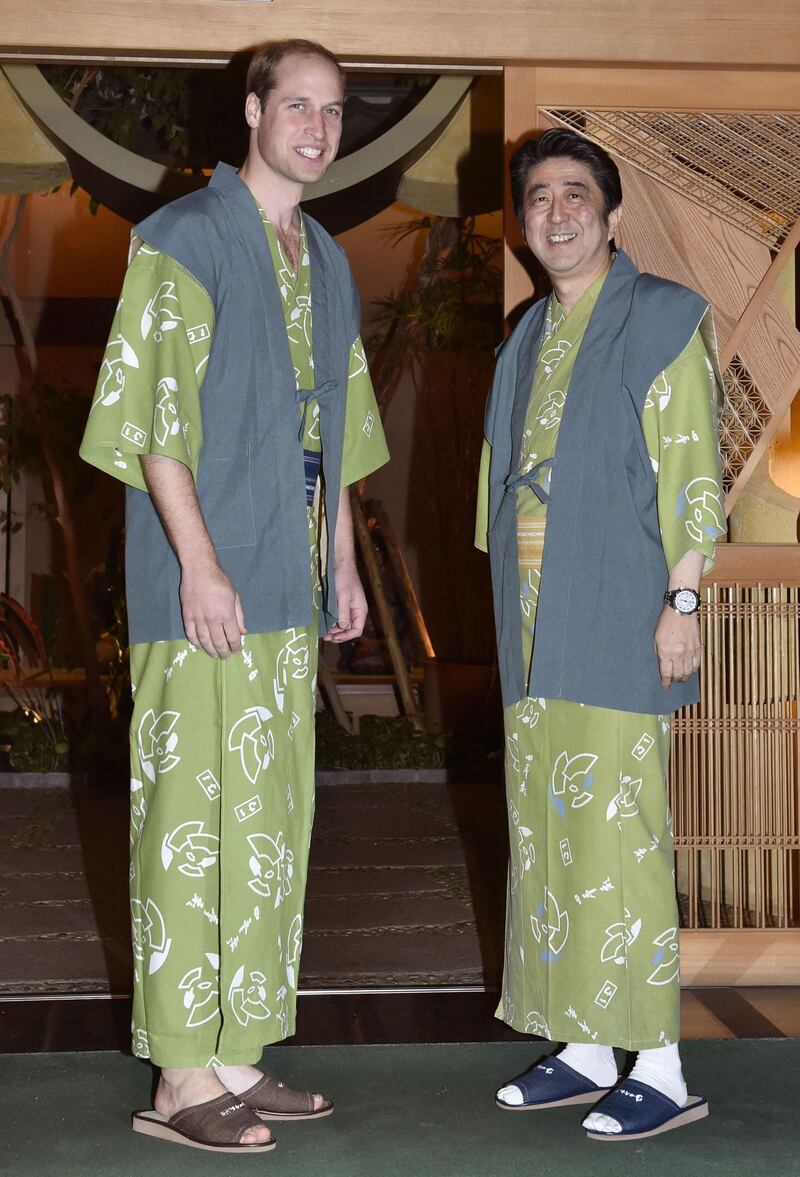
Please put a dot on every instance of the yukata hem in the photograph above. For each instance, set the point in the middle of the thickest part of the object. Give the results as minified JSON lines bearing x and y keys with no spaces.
{"x":569,"y":1035}
{"x":165,"y":1050}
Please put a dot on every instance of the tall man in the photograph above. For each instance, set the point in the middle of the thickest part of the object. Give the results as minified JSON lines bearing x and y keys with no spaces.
{"x":600,"y":499}
{"x":234,"y":400}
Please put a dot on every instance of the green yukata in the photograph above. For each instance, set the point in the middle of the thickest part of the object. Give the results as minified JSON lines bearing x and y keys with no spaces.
{"x":592,"y":941}
{"x":222,"y":752}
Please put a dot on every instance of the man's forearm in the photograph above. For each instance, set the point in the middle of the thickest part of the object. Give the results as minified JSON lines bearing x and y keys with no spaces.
{"x":172,"y":490}
{"x":344,"y":552}
{"x":211,"y":608}
{"x":688,"y":572}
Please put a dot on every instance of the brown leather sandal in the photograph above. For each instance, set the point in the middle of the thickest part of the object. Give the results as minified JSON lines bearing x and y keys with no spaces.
{"x":272,"y":1100}
{"x":217,"y":1126}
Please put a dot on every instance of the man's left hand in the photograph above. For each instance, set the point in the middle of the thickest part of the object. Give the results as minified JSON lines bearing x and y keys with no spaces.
{"x":677,"y":643}
{"x":351,"y":605}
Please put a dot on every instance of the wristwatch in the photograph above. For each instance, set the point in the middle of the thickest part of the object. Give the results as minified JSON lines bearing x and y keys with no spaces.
{"x":684,"y":601}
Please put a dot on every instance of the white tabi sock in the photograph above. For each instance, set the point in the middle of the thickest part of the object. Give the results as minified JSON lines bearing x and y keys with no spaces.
{"x":661,"y":1068}
{"x":596,"y":1063}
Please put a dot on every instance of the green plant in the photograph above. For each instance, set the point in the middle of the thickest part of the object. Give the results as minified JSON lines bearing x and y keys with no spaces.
{"x":388,"y":742}
{"x":35,"y":733}
{"x":439,"y":332}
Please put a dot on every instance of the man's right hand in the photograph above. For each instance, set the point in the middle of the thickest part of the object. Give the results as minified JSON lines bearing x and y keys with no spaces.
{"x":212,"y":611}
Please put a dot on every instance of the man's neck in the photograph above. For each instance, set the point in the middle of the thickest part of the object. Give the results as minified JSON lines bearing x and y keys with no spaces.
{"x":571,"y":289}
{"x":278,"y":197}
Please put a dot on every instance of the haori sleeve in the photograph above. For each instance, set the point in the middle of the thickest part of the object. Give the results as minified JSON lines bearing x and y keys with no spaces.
{"x":679,"y":422}
{"x":147,"y":399}
{"x":482,"y":510}
{"x":365,"y":447}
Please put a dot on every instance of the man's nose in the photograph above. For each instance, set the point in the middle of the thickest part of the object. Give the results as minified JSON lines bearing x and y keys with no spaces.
{"x":315,"y":124}
{"x":558,"y":212}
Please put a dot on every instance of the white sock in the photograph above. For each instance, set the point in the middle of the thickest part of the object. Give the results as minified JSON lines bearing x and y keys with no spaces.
{"x":593,"y":1062}
{"x":596,"y":1063}
{"x":661,"y":1068}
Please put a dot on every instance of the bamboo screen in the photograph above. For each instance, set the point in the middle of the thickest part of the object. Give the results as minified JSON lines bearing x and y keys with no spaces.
{"x":734,"y":766}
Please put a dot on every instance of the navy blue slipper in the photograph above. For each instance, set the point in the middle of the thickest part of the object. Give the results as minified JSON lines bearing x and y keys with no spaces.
{"x":552,"y":1084}
{"x":642,"y":1111}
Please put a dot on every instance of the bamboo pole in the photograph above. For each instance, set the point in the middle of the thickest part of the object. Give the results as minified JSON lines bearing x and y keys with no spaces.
{"x":384,"y":611}
{"x":398,"y":561}
{"x":329,"y":689}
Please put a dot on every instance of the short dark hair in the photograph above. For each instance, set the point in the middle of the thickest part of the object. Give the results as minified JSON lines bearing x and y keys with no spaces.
{"x":261,"y":73}
{"x":559,"y":141}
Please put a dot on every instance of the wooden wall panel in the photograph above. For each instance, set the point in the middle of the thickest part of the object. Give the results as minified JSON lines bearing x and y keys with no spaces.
{"x":726,"y":32}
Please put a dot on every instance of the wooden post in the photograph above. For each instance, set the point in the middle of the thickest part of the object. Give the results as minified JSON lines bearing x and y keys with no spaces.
{"x":398,"y":560}
{"x":331,"y":693}
{"x":384,"y":612}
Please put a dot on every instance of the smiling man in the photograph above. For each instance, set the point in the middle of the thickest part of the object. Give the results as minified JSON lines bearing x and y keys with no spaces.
{"x":235,"y":403}
{"x":600,"y":504}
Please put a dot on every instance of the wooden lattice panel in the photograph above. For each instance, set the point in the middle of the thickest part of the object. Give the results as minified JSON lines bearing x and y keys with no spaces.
{"x":743,"y":166}
{"x":734,"y":767}
{"x":745,"y":416}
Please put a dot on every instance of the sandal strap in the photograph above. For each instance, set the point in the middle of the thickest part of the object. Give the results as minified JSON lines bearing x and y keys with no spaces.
{"x":638,"y":1107}
{"x":551,"y":1079}
{"x":270,"y":1095}
{"x":223,"y":1120}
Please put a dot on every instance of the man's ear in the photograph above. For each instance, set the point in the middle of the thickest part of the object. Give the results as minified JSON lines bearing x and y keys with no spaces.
{"x":614,"y":218}
{"x":252,"y":110}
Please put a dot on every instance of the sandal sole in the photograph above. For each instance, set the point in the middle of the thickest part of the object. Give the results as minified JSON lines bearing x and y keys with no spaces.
{"x":286,"y":1116}
{"x":148,"y":1125}
{"x":570,"y":1101}
{"x":688,"y":1117}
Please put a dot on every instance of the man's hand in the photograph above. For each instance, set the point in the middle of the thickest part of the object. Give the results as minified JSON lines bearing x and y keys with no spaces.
{"x":677,"y":643}
{"x":351,"y":605}
{"x":212,"y":611}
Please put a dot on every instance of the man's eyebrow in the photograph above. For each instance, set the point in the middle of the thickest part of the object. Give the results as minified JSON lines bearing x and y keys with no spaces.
{"x":564,"y":184}
{"x":305,"y":98}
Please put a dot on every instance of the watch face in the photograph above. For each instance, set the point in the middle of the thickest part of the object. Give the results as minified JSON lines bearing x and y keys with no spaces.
{"x":685,"y":601}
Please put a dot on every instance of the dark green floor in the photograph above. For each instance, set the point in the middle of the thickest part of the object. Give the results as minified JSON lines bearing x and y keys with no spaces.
{"x":405,"y":1111}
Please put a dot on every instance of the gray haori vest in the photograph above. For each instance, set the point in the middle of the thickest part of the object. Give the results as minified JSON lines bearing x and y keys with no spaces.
{"x":603,"y":573}
{"x":251,"y":478}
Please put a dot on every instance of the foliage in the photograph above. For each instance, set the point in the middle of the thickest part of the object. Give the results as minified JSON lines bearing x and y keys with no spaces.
{"x":36,"y":730}
{"x":451,"y":303}
{"x":183,"y":117}
{"x":439,"y":331}
{"x":21,"y":451}
{"x":382,"y":742}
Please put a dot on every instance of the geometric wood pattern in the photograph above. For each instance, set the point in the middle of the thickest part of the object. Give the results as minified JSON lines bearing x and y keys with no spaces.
{"x":740,"y":165}
{"x":744,"y":418}
{"x":705,"y":214}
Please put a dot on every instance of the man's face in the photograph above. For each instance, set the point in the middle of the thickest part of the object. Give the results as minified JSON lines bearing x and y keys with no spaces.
{"x":564,"y":223}
{"x":298,"y":131}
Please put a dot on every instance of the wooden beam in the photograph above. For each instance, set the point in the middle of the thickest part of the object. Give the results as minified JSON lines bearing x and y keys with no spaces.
{"x":702,"y":32}
{"x":587,"y":86}
{"x":520,"y":121}
{"x":741,"y":957}
{"x":756,"y":304}
{"x":765,"y":564}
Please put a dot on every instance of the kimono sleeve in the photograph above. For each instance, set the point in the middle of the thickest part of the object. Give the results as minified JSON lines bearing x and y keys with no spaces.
{"x":679,"y":422}
{"x":365,"y":447}
{"x":482,"y":511}
{"x":147,"y":399}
